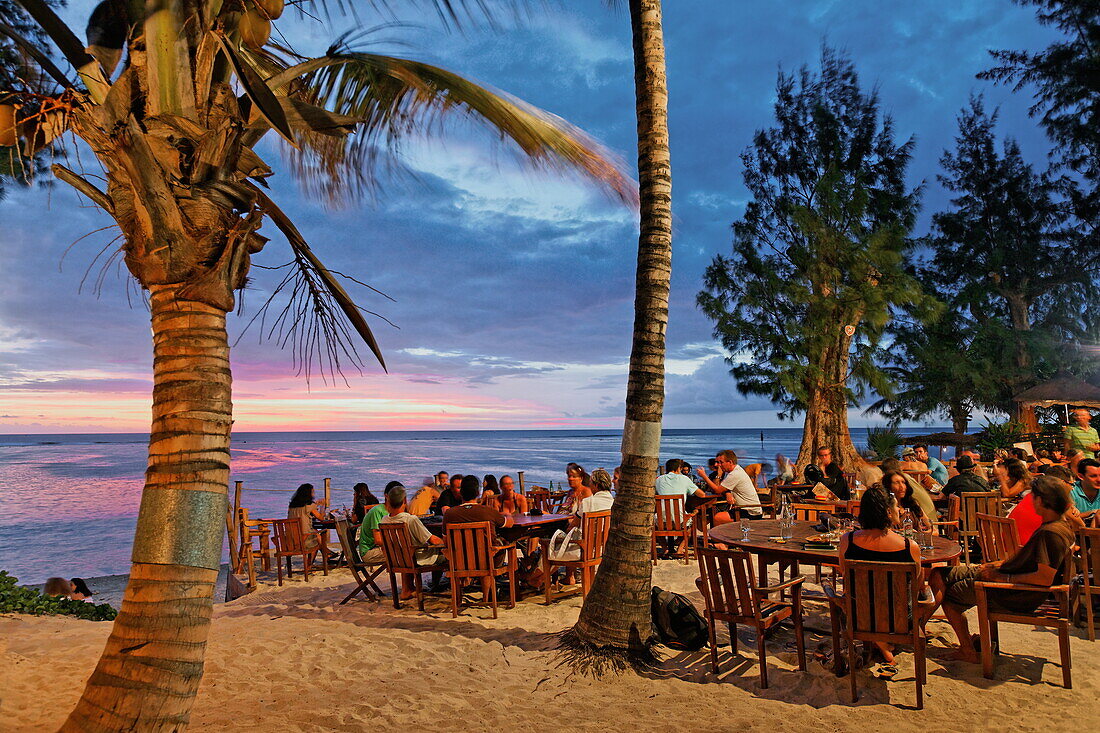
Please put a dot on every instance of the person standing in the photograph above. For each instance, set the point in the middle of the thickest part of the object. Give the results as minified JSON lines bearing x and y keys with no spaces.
{"x":1082,"y":436}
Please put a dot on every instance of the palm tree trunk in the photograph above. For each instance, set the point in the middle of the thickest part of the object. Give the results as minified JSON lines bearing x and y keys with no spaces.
{"x":152,"y":664}
{"x":616,"y":614}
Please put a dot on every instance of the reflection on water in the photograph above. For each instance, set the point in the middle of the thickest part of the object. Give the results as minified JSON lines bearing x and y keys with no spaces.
{"x":68,"y":503}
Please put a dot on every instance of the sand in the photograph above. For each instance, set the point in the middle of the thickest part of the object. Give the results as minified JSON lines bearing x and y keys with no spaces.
{"x":291,"y":659}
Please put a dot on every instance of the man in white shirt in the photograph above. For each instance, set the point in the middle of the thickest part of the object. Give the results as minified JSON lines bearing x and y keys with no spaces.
{"x":738,"y":488}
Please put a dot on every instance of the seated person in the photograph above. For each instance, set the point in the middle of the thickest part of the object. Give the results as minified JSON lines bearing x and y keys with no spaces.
{"x":81,"y":591}
{"x":673,"y":483}
{"x":370,"y":551}
{"x":600,"y":500}
{"x":877,"y":541}
{"x":1086,"y":490}
{"x":451,"y":497}
{"x":510,"y":502}
{"x":936,"y":469}
{"x":470,"y":511}
{"x":970,"y":477}
{"x":735,"y":485}
{"x":1038,"y":563}
{"x":363,"y":500}
{"x":1013,"y":477}
{"x":429,"y":548}
{"x":58,"y":588}
{"x":828,"y":473}
{"x":1027,"y":519}
{"x":303,"y":507}
{"x":898,"y":486}
{"x":425,"y":497}
{"x":920,"y":494}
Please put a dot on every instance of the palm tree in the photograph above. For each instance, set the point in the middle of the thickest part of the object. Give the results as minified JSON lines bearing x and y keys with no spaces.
{"x":173,"y":97}
{"x":614,"y":625}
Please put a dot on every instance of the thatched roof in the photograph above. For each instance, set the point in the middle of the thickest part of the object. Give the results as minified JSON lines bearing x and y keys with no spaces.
{"x":948,"y":440}
{"x":1064,"y":389}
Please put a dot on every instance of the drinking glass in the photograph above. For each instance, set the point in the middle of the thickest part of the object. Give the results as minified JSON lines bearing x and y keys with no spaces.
{"x":745,"y":526}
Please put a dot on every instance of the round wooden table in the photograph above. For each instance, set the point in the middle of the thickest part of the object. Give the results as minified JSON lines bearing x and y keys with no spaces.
{"x":762,"y":544}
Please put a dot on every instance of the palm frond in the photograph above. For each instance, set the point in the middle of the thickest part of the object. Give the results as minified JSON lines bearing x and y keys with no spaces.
{"x":396,"y":98}
{"x":453,"y":13}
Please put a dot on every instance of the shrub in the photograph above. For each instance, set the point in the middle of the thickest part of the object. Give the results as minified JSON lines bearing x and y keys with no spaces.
{"x":16,"y":598}
{"x":884,"y":442}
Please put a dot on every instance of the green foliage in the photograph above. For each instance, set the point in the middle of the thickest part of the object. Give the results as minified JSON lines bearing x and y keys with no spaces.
{"x":822,"y":244}
{"x":1020,"y":284}
{"x":884,"y":442}
{"x":995,"y":436}
{"x":16,"y":598}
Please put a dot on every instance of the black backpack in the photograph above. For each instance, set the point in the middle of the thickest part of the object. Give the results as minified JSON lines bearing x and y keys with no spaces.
{"x":676,"y":621}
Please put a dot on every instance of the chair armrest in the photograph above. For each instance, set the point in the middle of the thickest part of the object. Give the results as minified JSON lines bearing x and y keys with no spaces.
{"x":952,"y":523}
{"x":509,"y":546}
{"x":767,"y":589}
{"x":837,"y":600}
{"x":1022,"y":586}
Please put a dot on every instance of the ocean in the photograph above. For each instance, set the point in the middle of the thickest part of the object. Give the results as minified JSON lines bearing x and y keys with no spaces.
{"x":68,"y":503}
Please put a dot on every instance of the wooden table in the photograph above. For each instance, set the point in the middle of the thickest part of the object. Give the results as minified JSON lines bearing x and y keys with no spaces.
{"x":770,"y":551}
{"x":523,"y":526}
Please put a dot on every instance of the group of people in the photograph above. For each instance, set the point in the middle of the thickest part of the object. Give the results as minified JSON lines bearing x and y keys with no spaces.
{"x":74,"y":588}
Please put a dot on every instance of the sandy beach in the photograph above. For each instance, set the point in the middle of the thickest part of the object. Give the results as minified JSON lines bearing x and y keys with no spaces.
{"x":291,"y":659}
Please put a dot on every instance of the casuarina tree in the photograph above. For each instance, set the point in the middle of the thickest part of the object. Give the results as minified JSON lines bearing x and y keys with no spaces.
{"x":614,"y":628}
{"x":173,"y":98}
{"x":818,"y":261}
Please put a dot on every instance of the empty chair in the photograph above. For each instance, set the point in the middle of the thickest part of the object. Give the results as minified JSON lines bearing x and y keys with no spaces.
{"x":879,"y":604}
{"x":363,"y":573}
{"x":732,"y":597}
{"x":589,"y":552}
{"x":539,"y":500}
{"x":289,"y":543}
{"x":1089,"y":540}
{"x":473,"y":554}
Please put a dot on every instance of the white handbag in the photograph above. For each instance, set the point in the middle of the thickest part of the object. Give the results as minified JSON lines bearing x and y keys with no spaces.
{"x":563,"y":547}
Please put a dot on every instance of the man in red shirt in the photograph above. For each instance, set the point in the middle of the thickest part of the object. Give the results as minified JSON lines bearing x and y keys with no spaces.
{"x":1025,"y":516}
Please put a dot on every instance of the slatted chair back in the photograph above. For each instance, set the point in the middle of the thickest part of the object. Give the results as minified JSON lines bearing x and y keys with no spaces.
{"x":346,"y":534}
{"x":397,"y":547}
{"x":539,"y":499}
{"x":727,"y":583}
{"x":670,"y":514}
{"x":949,"y":528}
{"x":1089,"y":541}
{"x":469,"y":549}
{"x":597,"y":525}
{"x":882,"y":598}
{"x":997,"y":536}
{"x":810,"y":512}
{"x":973,"y":503}
{"x":289,"y":539}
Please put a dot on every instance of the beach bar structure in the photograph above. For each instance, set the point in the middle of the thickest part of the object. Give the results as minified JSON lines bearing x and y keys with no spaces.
{"x":1064,"y":389}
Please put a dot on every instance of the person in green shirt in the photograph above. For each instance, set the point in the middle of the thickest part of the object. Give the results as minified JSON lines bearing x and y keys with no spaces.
{"x":369,"y":550}
{"x":1082,"y":436}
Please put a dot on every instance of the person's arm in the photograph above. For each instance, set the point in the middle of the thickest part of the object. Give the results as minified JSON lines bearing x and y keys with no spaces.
{"x":521,"y":503}
{"x":1075,"y":519}
{"x":1043,"y":576}
{"x":715,"y":487}
{"x":507,"y":521}
{"x":377,"y":537}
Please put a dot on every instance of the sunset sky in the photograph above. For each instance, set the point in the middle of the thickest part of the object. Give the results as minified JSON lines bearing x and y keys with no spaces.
{"x":513,"y":290}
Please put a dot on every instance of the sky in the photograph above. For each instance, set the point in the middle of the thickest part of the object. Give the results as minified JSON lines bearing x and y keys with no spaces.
{"x":513,"y":290}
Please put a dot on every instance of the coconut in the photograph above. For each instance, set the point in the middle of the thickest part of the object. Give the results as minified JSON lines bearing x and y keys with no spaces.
{"x":255,"y":29}
{"x":270,"y":9}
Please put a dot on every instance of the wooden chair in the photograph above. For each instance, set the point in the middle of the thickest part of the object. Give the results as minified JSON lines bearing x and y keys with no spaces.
{"x":290,"y":542}
{"x":1053,"y":614}
{"x":949,"y":528}
{"x":595,"y":528}
{"x":997,"y":536}
{"x":400,"y":554}
{"x":810,"y":512}
{"x":252,"y":531}
{"x":971,"y":504}
{"x":1089,"y":541}
{"x":880,"y":604}
{"x":472,"y":553}
{"x":539,"y":499}
{"x":363,"y":573}
{"x":672,"y":521}
{"x":732,"y":596}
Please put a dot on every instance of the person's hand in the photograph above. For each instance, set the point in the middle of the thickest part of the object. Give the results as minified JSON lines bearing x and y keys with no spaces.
{"x":701,"y":471}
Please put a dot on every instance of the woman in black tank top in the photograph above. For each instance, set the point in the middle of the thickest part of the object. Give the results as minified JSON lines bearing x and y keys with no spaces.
{"x":877,"y":541}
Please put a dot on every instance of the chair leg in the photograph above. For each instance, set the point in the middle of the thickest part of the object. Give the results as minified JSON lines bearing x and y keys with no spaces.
{"x":761,"y":652}
{"x":714,"y":644}
{"x":512,"y":582}
{"x":733,"y":637}
{"x":922,"y":675}
{"x":985,"y":630}
{"x":1063,"y":652}
{"x":1089,"y":613}
{"x":454,"y":596}
{"x":324,"y":560}
{"x":394,"y":590}
{"x":546,"y":577}
{"x":852,"y":668}
{"x":489,"y":592}
{"x":418,"y":584}
{"x":279,"y":568}
{"x":799,"y":638}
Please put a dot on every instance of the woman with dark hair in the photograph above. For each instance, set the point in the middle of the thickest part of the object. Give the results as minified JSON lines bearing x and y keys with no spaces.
{"x":876,"y":540}
{"x":1013,"y":477}
{"x":490,"y":490}
{"x":303,"y":508}
{"x":896,"y":483}
{"x":81,"y":591}
{"x":580,"y":487}
{"x":364,"y":500}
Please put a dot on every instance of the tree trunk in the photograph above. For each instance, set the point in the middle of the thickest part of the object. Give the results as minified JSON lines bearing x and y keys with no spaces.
{"x":960,"y":419}
{"x":1019,"y":310}
{"x":616,"y":616}
{"x":826,"y":424}
{"x":152,"y":664}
